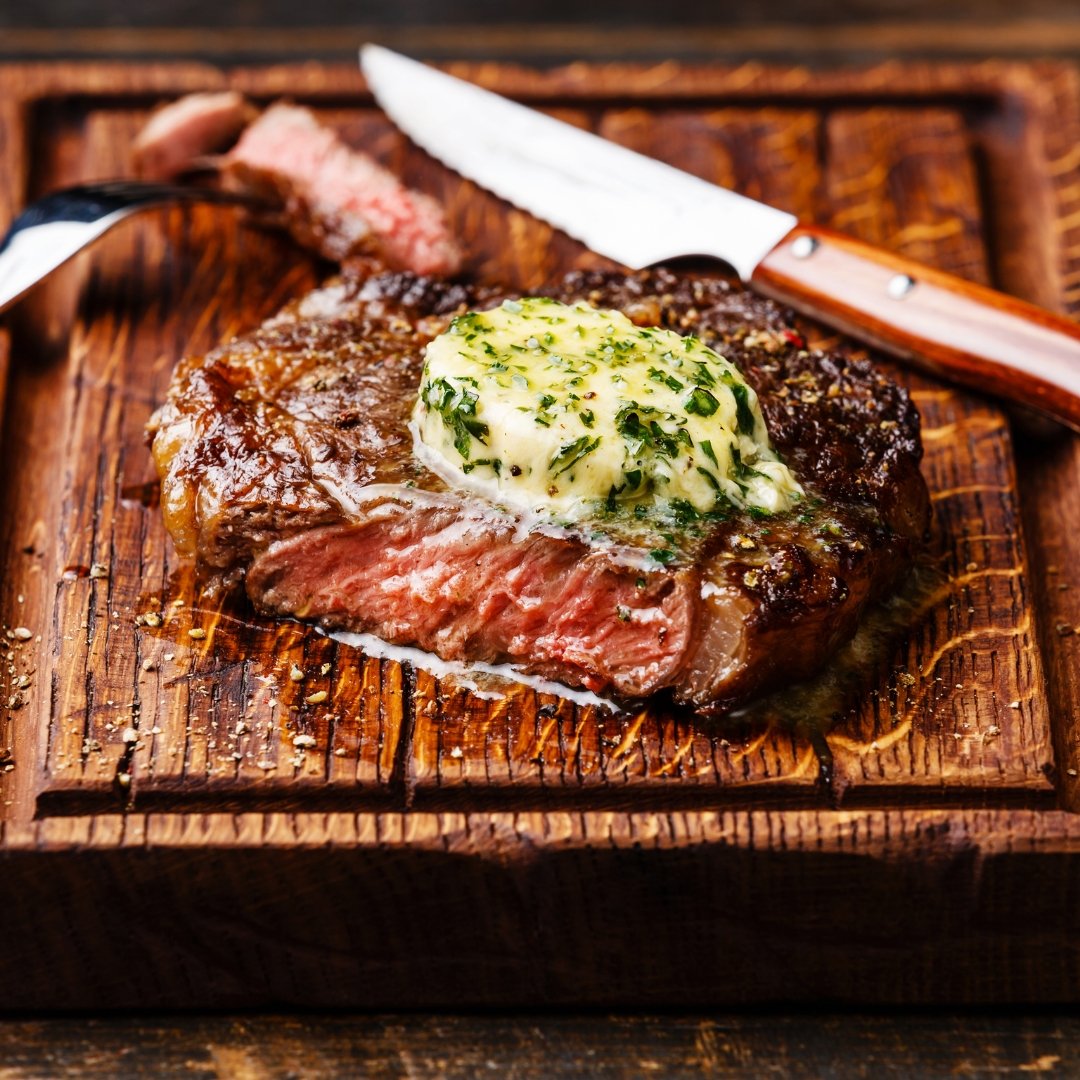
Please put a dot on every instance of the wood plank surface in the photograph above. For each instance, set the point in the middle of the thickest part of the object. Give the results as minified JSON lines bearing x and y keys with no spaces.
{"x":520,"y":1046}
{"x":911,"y":801}
{"x":907,"y":181}
{"x":143,"y":713}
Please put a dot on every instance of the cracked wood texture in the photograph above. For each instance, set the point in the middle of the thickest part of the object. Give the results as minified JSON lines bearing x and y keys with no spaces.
{"x":350,"y":831}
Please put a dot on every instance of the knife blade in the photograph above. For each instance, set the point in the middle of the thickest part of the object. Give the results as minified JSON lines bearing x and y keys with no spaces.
{"x":639,"y":211}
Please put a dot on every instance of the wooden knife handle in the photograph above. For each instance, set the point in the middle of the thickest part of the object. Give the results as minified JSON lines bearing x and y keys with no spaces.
{"x":963,"y":332}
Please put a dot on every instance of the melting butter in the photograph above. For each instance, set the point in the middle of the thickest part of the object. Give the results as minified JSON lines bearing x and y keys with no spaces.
{"x":558,"y":408}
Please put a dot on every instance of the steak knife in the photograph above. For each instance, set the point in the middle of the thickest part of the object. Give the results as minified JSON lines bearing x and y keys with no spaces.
{"x":639,"y":211}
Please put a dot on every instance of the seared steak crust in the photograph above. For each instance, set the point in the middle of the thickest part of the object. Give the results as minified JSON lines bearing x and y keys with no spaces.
{"x":285,"y":460}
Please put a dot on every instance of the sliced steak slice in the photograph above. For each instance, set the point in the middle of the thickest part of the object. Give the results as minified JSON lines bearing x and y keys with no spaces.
{"x":179,"y":134}
{"x":333,"y":200}
{"x":285,"y":460}
{"x":463,"y":584}
{"x":336,"y":200}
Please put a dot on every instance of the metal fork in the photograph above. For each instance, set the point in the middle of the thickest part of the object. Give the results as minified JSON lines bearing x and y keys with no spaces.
{"x":53,"y":229}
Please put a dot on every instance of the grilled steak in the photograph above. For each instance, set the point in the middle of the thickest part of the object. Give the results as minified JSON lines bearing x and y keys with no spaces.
{"x":286,"y":463}
{"x":183,"y":132}
{"x":332,"y":199}
{"x":336,"y":200}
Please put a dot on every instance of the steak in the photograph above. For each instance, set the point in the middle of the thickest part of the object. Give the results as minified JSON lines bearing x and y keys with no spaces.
{"x":286,"y":463}
{"x":336,"y":200}
{"x":179,"y":135}
{"x":332,"y":199}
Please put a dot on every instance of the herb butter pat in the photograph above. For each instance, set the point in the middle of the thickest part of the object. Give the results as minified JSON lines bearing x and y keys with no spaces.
{"x":558,"y":408}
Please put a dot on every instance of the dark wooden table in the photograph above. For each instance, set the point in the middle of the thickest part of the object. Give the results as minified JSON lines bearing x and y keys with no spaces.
{"x":592,"y":1045}
{"x":914,"y":1044}
{"x":819,"y":32}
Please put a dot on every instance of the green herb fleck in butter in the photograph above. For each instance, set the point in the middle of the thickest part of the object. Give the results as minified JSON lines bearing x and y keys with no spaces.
{"x":559,"y":408}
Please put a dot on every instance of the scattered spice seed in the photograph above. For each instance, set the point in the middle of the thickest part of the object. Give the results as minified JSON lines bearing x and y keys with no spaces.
{"x":304,"y":740}
{"x":296,"y":674}
{"x":99,"y":570}
{"x":197,"y":633}
{"x":21,"y":633}
{"x":317,"y":698}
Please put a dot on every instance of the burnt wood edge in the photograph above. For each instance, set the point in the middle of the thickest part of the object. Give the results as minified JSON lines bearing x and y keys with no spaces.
{"x":1056,"y":100}
{"x":893,"y":834}
{"x":75,"y":800}
{"x":917,"y":81}
{"x":13,"y":179}
{"x":492,"y":922}
{"x":678,"y":926}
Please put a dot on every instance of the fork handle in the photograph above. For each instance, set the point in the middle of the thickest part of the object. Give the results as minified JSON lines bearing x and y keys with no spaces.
{"x":961,"y":331}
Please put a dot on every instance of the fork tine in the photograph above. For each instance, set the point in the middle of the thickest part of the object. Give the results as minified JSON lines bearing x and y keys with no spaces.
{"x":86,"y":204}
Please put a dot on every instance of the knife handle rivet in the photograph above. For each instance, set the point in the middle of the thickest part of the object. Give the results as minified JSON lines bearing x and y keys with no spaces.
{"x":899,"y":286}
{"x":803,"y":247}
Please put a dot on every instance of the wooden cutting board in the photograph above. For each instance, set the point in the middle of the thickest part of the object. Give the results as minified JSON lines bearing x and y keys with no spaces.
{"x":207,"y":808}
